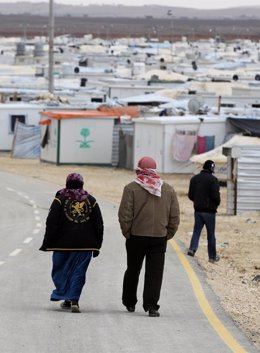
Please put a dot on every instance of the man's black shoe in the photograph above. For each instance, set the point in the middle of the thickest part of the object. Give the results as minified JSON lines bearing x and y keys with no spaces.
{"x":131,"y":309}
{"x":191,"y":252}
{"x":154,"y":313}
{"x":217,"y":258}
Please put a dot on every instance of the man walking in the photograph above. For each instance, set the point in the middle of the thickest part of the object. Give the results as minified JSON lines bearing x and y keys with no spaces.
{"x":204,"y":192}
{"x":148,"y":216}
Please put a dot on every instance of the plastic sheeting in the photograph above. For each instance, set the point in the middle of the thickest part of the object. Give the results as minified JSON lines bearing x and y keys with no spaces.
{"x":26,"y":142}
{"x":249,"y":126}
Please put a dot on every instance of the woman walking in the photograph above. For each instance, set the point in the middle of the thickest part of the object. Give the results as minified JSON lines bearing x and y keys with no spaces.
{"x":74,"y":232}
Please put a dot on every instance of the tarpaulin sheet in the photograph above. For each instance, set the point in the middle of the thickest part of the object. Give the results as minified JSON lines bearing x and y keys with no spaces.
{"x":26,"y":143}
{"x":248,"y":126}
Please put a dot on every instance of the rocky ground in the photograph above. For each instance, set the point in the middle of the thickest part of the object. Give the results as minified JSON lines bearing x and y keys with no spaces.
{"x":233,"y":278}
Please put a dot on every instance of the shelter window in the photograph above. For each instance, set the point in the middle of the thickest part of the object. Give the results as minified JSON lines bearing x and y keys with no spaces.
{"x":97,"y":100}
{"x":13,"y":118}
{"x":15,"y":99}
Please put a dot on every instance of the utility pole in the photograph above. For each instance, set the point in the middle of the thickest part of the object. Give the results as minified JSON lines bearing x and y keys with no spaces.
{"x":170,"y":14}
{"x":51,"y":37}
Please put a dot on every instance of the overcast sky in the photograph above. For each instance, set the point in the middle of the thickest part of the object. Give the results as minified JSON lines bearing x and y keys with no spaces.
{"x":199,"y":4}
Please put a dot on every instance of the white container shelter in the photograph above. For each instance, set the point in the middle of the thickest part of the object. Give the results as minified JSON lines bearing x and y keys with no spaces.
{"x":9,"y":113}
{"x":77,"y":137}
{"x":154,"y":136}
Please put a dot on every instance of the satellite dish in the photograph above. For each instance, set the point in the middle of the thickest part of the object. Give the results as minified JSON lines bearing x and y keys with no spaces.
{"x":195,"y":104}
{"x":201,"y":100}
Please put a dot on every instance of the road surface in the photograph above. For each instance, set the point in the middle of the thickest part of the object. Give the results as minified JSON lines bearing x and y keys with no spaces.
{"x":191,"y":321}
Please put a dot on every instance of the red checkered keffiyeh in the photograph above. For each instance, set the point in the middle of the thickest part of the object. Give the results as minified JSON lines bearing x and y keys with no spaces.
{"x":148,"y":179}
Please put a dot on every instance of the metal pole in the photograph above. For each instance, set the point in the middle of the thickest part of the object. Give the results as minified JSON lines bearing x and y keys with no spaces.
{"x":51,"y":36}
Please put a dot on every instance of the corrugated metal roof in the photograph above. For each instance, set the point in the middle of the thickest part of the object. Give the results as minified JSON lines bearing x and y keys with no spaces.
{"x":248,"y":179}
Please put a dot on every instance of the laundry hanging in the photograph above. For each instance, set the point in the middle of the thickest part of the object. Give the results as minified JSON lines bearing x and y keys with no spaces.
{"x":183,"y":143}
{"x":205,"y":144}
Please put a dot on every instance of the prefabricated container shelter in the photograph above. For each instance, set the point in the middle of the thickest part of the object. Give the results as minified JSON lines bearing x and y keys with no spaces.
{"x":77,"y":137}
{"x":9,"y":113}
{"x":154,"y":137}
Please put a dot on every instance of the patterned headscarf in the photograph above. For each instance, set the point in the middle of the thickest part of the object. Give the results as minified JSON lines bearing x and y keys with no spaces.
{"x":74,"y":187}
{"x":147,"y":177}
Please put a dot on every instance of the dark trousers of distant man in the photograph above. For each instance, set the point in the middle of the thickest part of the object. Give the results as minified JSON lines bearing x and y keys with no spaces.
{"x":209,"y":220}
{"x":152,"y":249}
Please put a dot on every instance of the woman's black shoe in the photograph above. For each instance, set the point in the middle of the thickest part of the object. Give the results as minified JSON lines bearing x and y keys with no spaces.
{"x":66,"y":304}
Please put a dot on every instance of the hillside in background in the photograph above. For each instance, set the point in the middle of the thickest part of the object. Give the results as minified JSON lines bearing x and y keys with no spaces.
{"x":116,"y":27}
{"x":155,"y":11}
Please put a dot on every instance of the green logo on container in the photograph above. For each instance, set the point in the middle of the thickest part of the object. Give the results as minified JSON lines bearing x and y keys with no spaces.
{"x":85,"y":143}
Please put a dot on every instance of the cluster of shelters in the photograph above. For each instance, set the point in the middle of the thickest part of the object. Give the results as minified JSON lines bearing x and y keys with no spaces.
{"x":115,"y":101}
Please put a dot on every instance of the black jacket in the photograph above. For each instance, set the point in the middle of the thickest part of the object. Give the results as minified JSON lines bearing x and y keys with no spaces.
{"x":204,"y":192}
{"x":73,"y":225}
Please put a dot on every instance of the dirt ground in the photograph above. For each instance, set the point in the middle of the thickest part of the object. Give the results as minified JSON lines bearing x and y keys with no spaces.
{"x":233,"y":278}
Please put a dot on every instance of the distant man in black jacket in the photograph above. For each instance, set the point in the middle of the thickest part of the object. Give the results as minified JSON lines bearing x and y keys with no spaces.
{"x":204,"y":192}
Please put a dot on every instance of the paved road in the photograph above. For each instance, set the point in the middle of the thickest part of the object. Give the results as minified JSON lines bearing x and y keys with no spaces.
{"x":30,"y":323}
